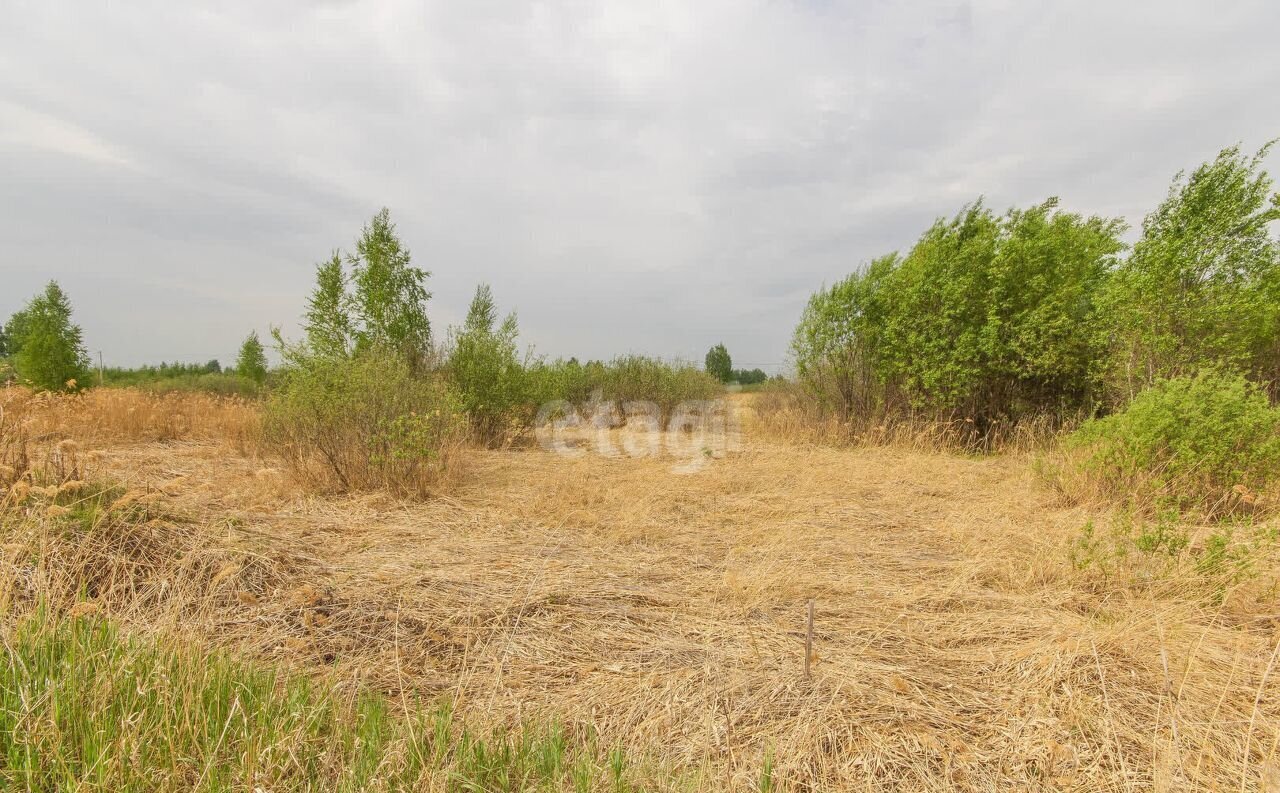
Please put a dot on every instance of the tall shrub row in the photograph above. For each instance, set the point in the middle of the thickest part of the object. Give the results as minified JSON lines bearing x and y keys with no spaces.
{"x":991,"y":318}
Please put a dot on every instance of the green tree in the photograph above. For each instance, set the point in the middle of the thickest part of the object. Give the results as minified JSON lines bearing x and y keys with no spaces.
{"x":252,"y":360}
{"x":389,"y":295}
{"x":718,"y":363}
{"x":48,"y":351}
{"x":987,"y":316}
{"x":328,"y":320}
{"x":486,"y":370}
{"x":990,"y":316}
{"x":14,"y":330}
{"x":836,"y":346}
{"x":1202,"y":287}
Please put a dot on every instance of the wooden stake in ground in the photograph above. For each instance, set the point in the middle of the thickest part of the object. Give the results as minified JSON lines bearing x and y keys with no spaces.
{"x":808,"y":642}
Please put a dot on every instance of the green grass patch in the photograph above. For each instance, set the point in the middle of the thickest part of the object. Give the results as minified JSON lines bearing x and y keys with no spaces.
{"x":84,"y":707}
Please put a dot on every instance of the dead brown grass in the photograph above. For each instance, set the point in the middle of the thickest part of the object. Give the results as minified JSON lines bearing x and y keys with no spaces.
{"x":112,"y":415}
{"x":785,"y":414}
{"x":956,"y":646}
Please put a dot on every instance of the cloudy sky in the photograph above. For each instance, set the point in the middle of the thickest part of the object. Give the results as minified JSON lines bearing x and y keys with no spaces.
{"x":632,"y":176}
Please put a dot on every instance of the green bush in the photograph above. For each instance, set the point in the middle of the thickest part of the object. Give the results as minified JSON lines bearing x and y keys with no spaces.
{"x":487,"y":373}
{"x":1202,"y":287}
{"x":627,"y":378}
{"x":718,"y":364}
{"x":1209,"y":443}
{"x":987,"y":318}
{"x":638,"y":378}
{"x":363,"y":423}
{"x":251,"y":363}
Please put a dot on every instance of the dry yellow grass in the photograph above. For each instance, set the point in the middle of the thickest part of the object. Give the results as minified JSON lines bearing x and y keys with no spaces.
{"x":955,"y":645}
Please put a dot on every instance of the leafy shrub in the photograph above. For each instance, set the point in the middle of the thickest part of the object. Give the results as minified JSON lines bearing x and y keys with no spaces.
{"x":987,"y":318}
{"x":837,"y":345}
{"x":624,"y":379}
{"x":365,"y":422}
{"x":377,"y":303}
{"x":1202,"y":287}
{"x":639,"y":378}
{"x":1209,"y":443}
{"x":486,"y":371}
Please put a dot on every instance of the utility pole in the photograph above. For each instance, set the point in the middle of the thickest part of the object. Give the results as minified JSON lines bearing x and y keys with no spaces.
{"x":99,"y":368}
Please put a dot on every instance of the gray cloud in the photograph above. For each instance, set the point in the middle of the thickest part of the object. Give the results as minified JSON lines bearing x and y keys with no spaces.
{"x":650,"y":177}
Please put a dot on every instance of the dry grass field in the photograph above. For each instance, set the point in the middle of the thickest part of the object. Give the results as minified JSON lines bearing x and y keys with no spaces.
{"x":956,"y":645}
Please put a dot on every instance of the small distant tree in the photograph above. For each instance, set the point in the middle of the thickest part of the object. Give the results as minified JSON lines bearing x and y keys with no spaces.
{"x":718,"y":363}
{"x":213,"y":367}
{"x":485,"y":367}
{"x":47,"y":348}
{"x":252,"y":360}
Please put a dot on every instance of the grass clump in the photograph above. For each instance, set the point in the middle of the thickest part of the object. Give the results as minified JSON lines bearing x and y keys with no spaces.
{"x":1208,"y":444}
{"x":84,"y":707}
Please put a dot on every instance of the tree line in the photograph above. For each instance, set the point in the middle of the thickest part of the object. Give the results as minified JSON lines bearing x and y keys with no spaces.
{"x":996,"y":317}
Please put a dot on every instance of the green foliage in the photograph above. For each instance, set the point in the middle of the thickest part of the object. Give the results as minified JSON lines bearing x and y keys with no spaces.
{"x":718,"y":364}
{"x":1209,"y":442}
{"x":48,"y":352}
{"x":389,"y":295}
{"x":372,"y":300}
{"x":837,"y":344}
{"x":991,"y":316}
{"x":207,"y":377}
{"x":987,"y":317}
{"x":251,"y":363}
{"x":328,"y":319}
{"x":628,"y":378}
{"x":1202,"y":287}
{"x":1164,"y":547}
{"x":635,"y":378}
{"x":125,"y":714}
{"x":364,"y":423}
{"x":748,"y":376}
{"x":486,"y":371}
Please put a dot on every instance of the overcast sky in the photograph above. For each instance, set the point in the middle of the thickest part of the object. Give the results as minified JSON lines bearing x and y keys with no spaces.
{"x":629,"y":176}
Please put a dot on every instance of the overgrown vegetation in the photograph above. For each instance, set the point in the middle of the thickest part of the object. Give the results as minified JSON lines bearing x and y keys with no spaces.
{"x":1036,"y":316}
{"x":987,"y":318}
{"x":1208,"y":443}
{"x":484,"y":366}
{"x":1202,"y":287}
{"x":45,"y":345}
{"x":84,"y":706}
{"x":370,"y":421}
{"x":718,"y":364}
{"x":251,"y":363}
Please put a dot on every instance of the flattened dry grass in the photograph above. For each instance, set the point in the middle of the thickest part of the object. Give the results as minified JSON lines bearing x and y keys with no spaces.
{"x":957,"y":646}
